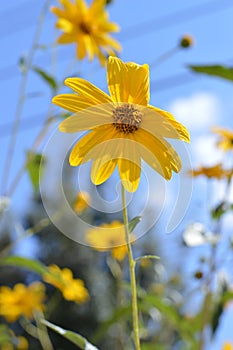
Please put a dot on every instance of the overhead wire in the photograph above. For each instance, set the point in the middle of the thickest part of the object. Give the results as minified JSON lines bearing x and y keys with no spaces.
{"x":168,"y":20}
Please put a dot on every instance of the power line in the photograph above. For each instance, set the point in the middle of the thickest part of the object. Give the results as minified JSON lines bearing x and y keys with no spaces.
{"x":172,"y":19}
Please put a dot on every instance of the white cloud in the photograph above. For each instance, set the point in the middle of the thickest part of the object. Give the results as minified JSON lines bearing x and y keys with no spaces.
{"x":204,"y":150}
{"x":198,"y":111}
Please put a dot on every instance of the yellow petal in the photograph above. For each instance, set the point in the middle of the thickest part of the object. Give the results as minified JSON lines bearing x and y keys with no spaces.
{"x":162,"y":124}
{"x":96,"y":8}
{"x":72,"y":102}
{"x":139,"y":83}
{"x":128,"y":82}
{"x":90,"y":91}
{"x":129,"y":173}
{"x":158,"y":153}
{"x":118,"y":84}
{"x":81,"y":6}
{"x":101,"y":171}
{"x":81,"y":152}
{"x":66,"y":38}
{"x":81,"y":48}
{"x":87,"y":119}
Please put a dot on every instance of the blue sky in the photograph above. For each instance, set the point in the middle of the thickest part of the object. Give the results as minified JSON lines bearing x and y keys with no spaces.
{"x":149,"y":29}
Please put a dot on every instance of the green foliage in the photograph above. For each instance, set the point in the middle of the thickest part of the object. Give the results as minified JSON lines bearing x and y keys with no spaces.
{"x":48,"y":79}
{"x":30,"y":264}
{"x":215,"y":70}
{"x":220,"y":210}
{"x":75,"y":338}
{"x":133,"y":223}
{"x":35,"y":165}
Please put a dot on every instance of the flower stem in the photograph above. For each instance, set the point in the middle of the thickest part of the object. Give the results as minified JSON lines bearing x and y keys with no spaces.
{"x":132,"y":272}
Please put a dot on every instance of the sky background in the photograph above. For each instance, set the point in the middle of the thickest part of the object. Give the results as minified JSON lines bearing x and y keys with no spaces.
{"x":148,"y":30}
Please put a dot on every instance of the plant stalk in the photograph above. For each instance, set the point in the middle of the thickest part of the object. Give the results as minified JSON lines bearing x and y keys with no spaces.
{"x":132,"y":272}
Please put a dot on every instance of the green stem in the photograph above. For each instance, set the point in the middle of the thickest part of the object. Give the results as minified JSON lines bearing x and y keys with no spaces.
{"x":132,"y":272}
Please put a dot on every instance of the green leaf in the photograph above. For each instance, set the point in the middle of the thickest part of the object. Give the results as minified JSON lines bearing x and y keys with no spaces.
{"x":49,"y":79}
{"x":133,"y":223}
{"x":35,"y":164}
{"x":146,"y":257}
{"x":73,"y":337}
{"x":215,"y":70}
{"x":30,"y":264}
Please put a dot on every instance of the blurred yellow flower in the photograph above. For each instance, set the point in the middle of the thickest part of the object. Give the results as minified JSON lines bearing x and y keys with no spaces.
{"x":88,"y":27}
{"x":225,"y":141}
{"x":22,"y":343}
{"x":124,"y":128}
{"x":82,"y":202}
{"x":21,"y":300}
{"x":12,"y":342}
{"x":215,"y":171}
{"x":109,"y":237}
{"x":72,"y":289}
{"x":227,"y":346}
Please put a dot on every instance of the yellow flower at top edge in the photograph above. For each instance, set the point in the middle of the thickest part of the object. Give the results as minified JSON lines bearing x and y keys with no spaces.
{"x":72,"y":289}
{"x":123,"y":128}
{"x":227,"y":346}
{"x":215,"y":171}
{"x":109,"y":237}
{"x":82,"y":202}
{"x":88,"y":27}
{"x":225,"y":141}
{"x":21,"y":300}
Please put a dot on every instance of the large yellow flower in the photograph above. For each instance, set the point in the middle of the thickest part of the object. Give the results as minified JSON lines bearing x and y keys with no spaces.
{"x":225,"y":141}
{"x":21,"y":300}
{"x":88,"y":27}
{"x":123,"y":127}
{"x":72,"y":289}
{"x":109,"y":237}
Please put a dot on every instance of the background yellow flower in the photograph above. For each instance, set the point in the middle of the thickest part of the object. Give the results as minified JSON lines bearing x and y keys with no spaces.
{"x":21,"y":300}
{"x":82,"y":202}
{"x":88,"y":27}
{"x":215,"y":171}
{"x":72,"y":289}
{"x":225,"y":141}
{"x":109,"y":237}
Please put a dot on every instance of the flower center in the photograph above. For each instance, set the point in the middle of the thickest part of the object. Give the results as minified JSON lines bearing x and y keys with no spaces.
{"x":127,"y":118}
{"x":84,"y":28}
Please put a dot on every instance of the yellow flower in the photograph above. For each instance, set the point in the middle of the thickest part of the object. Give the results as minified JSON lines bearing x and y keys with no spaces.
{"x":109,"y":237}
{"x":225,"y":141}
{"x":22,"y":343}
{"x":72,"y":289}
{"x":21,"y":300}
{"x":124,"y":128}
{"x":88,"y":27}
{"x":216,"y":171}
{"x":82,"y":202}
{"x":227,"y":346}
{"x":12,"y":342}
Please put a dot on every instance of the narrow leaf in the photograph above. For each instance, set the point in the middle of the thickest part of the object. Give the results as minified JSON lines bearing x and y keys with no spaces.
{"x":133,"y":223}
{"x":215,"y":70}
{"x":49,"y":79}
{"x":35,"y":164}
{"x":71,"y":336}
{"x":30,"y":264}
